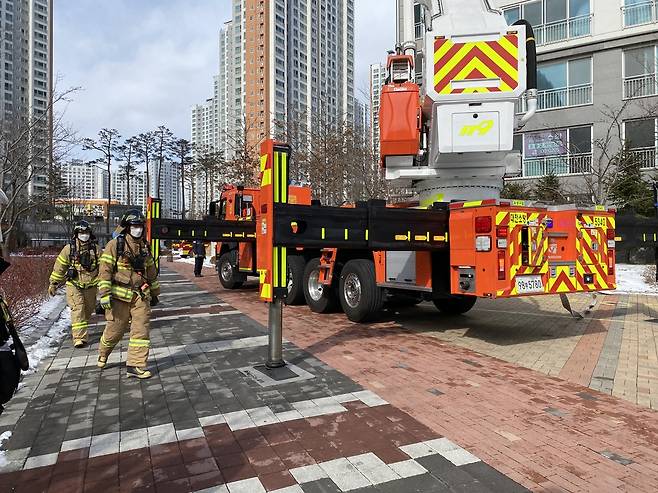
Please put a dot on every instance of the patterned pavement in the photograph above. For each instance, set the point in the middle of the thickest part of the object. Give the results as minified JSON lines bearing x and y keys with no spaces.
{"x":212,"y":419}
{"x":552,"y":403}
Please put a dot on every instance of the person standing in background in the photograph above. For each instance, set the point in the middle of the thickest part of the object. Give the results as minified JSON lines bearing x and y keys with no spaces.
{"x":199,"y":250}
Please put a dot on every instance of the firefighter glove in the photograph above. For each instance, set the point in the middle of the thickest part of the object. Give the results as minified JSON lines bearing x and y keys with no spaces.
{"x":52,"y":289}
{"x":154,"y":301}
{"x":106,"y":302}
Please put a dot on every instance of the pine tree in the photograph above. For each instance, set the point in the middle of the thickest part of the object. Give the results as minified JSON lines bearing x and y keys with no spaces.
{"x":548,"y":189}
{"x":514,"y":190}
{"x":628,"y":188}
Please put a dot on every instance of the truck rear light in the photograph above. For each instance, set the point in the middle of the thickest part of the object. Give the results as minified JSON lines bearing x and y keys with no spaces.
{"x":483,"y":224}
{"x":611,"y":263}
{"x":501,"y":265}
{"x":611,"y":233}
{"x":483,"y":243}
{"x":501,"y":232}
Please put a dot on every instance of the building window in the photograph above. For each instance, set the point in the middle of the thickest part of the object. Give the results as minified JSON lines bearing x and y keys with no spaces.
{"x":554,"y":20}
{"x":565,"y":83}
{"x":641,"y":140}
{"x":640,"y":76}
{"x":638,"y":12}
{"x":566,"y":151}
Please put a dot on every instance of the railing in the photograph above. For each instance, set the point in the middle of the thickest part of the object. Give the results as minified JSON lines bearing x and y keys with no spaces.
{"x":640,"y":86}
{"x":639,"y":13}
{"x":646,"y":157}
{"x":559,"y":98}
{"x":557,"y":165}
{"x":554,"y":32}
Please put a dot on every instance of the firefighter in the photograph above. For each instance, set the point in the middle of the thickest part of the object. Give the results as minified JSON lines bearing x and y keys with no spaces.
{"x":199,"y":251}
{"x":77,"y":266}
{"x":128,"y":288}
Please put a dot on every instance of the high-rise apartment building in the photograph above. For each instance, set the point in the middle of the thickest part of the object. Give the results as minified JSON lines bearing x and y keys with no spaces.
{"x":137,"y":195}
{"x":377,"y":80}
{"x":597,"y":68}
{"x":82,"y":180}
{"x":26,"y":72}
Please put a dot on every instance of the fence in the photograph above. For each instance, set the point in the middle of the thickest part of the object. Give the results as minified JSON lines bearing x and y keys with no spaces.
{"x":558,"y":165}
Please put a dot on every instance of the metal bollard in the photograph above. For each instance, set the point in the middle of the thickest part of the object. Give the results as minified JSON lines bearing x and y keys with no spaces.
{"x":275,"y":326}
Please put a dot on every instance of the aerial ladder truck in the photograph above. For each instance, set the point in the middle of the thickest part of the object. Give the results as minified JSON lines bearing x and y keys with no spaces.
{"x":450,"y":141}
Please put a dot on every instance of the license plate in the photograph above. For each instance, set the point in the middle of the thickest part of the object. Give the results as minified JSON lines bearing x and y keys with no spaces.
{"x":529,"y":284}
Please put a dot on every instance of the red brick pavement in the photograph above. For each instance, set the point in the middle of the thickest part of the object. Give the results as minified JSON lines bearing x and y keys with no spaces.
{"x":546,"y":433}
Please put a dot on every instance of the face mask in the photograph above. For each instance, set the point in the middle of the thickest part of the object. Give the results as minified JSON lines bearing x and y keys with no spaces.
{"x":84,"y":237}
{"x":136,"y":231}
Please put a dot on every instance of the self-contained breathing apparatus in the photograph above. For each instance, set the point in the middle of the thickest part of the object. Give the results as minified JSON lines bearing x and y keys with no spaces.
{"x":87,"y":258}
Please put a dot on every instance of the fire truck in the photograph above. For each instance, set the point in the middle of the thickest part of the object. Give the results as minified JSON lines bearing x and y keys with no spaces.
{"x":450,"y":140}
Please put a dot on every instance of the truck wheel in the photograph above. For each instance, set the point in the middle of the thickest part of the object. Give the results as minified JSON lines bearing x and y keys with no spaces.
{"x":296,"y":266}
{"x":319,"y":298}
{"x":228,"y":276}
{"x":360,"y":297}
{"x":455,"y":305}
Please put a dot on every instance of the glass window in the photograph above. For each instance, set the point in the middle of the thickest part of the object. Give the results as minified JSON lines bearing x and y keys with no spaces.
{"x":580,"y":72}
{"x":512,"y":15}
{"x":532,"y":13}
{"x":640,"y":61}
{"x":640,"y":134}
{"x":580,"y":140}
{"x":556,"y":10}
{"x":518,"y":143}
{"x":552,"y":76}
{"x":578,"y":8}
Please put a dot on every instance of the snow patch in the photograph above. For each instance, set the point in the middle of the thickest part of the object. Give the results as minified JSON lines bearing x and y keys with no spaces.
{"x":49,"y":344}
{"x":3,"y":438}
{"x":46,"y":311}
{"x":632,"y":279}
{"x":206,"y":262}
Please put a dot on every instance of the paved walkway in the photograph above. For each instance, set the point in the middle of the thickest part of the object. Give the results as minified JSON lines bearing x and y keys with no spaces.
{"x":543,"y":428}
{"x":213,"y":419}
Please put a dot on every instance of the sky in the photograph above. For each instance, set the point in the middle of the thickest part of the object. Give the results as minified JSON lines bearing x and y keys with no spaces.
{"x":138,"y":64}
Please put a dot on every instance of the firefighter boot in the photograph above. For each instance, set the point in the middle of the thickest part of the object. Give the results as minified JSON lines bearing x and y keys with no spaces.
{"x":102,"y":361}
{"x":137,"y":372}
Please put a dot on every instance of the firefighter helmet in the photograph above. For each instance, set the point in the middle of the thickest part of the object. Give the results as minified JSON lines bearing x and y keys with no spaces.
{"x":81,"y":226}
{"x":132,"y":218}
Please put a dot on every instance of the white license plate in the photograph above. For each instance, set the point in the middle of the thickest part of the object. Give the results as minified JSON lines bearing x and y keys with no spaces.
{"x":529,"y":284}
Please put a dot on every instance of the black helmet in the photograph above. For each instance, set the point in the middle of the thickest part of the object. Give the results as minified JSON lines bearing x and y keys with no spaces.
{"x":132,"y":217}
{"x":81,"y":226}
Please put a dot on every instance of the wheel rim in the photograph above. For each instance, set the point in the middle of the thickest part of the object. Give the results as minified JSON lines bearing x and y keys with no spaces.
{"x":227,"y":271}
{"x":352,"y":290}
{"x":289,"y":280}
{"x":315,"y":289}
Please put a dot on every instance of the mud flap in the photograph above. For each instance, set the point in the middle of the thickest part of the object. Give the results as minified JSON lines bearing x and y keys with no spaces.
{"x":567,"y":305}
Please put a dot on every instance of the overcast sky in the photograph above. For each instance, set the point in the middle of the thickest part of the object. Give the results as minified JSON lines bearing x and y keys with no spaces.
{"x":143,"y":63}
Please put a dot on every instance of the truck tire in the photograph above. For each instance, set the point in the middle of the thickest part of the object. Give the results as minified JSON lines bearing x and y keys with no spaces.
{"x":318,"y":298}
{"x":228,"y":275}
{"x":455,"y":305}
{"x":360,"y":297}
{"x":296,"y":265}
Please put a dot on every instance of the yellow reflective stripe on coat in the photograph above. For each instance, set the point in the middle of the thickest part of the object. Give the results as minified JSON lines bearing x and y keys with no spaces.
{"x":78,"y":325}
{"x":107,"y":258}
{"x":106,"y":343}
{"x":57,"y":277}
{"x":122,"y":293}
{"x":155,"y":284}
{"x":139,"y":343}
{"x":105,"y":284}
{"x":63,"y":260}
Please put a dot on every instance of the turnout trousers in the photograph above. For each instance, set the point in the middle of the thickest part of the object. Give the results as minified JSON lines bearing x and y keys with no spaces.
{"x":82,"y":302}
{"x":134,"y":315}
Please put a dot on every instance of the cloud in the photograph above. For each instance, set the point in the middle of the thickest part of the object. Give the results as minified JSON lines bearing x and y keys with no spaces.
{"x":143,"y":63}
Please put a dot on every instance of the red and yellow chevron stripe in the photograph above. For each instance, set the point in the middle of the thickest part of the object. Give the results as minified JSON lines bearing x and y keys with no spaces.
{"x":476,"y":61}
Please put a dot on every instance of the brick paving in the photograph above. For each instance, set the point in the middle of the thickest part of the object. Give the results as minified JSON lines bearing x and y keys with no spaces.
{"x":509,"y":382}
{"x":212,"y":419}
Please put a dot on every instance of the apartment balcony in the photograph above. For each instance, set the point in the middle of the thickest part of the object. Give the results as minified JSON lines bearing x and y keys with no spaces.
{"x":641,"y":86}
{"x":575,"y":164}
{"x":639,"y":14}
{"x":554,"y":32}
{"x":646,"y":157}
{"x":560,"y":98}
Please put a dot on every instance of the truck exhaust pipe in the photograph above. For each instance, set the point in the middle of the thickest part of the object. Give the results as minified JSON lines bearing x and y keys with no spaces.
{"x":531,"y":68}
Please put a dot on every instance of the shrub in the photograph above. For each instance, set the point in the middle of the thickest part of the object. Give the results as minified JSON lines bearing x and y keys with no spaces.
{"x":25,"y":285}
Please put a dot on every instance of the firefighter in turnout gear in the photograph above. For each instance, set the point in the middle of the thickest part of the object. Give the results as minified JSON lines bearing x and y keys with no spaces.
{"x":77,"y":266}
{"x":128,"y":288}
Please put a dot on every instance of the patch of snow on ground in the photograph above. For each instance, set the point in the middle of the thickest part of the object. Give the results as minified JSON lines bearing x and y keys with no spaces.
{"x":48,"y":344}
{"x":632,"y":279}
{"x":3,"y":438}
{"x":45,"y":312}
{"x":206,"y":263}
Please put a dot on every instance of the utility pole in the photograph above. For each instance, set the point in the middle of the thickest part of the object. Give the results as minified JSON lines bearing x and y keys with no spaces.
{"x":655,"y":205}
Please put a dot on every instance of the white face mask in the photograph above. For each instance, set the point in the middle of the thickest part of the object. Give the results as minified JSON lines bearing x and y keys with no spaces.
{"x":84,"y":237}
{"x":136,"y":231}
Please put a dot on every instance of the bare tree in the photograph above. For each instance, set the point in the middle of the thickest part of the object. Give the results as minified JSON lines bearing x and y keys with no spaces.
{"x":182,"y":150}
{"x":209,"y":164}
{"x":164,"y":139}
{"x":26,"y":150}
{"x":128,"y":155}
{"x":243,"y":147}
{"x":145,"y":152}
{"x":106,"y":144}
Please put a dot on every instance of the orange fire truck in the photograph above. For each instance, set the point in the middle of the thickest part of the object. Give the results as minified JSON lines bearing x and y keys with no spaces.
{"x":450,"y":140}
